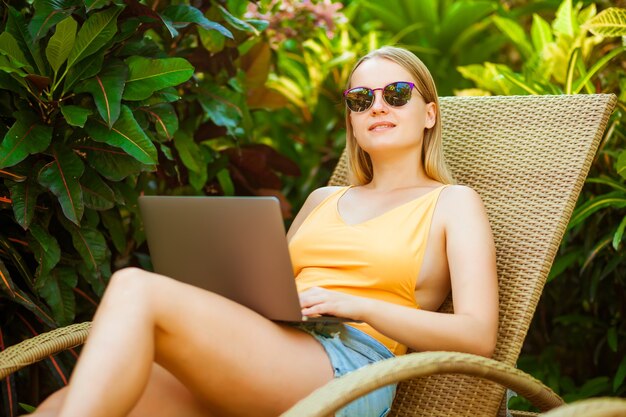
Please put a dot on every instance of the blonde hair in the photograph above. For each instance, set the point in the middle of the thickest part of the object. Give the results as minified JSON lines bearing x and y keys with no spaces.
{"x":433,"y":160}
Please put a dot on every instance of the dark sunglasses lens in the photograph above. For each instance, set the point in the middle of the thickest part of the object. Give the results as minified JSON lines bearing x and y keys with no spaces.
{"x":359,"y":99}
{"x":398,"y":94}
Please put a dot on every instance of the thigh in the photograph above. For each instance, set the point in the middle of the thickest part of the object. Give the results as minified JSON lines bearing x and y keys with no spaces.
{"x":236,"y":361}
{"x":164,"y":396}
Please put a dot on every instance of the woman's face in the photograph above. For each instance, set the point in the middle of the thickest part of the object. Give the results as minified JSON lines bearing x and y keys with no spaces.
{"x":382,"y":126}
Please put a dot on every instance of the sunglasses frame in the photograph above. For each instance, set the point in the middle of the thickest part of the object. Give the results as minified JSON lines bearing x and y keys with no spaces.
{"x":373,"y":90}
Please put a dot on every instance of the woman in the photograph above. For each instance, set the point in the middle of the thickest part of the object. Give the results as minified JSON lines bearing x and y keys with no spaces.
{"x":385,"y":252}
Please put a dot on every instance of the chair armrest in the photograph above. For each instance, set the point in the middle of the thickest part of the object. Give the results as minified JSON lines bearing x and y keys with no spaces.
{"x":341,"y":391}
{"x":594,"y":407}
{"x":41,"y":346}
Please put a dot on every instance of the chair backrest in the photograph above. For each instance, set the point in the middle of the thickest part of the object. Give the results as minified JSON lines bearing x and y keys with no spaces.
{"x":527,"y":156}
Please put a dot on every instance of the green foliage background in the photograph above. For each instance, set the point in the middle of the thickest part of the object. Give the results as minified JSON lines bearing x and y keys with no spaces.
{"x":103,"y":100}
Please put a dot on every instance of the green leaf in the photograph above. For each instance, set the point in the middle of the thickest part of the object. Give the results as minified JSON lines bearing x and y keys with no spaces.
{"x":619,"y":233}
{"x":611,"y":338}
{"x":164,"y":118}
{"x":16,"y":26}
{"x":82,"y":72}
{"x":620,"y":165}
{"x":111,"y":162}
{"x":571,"y":66}
{"x":620,"y":375}
{"x":48,"y":13}
{"x":189,"y":151}
{"x":25,"y":137}
{"x":597,"y":67}
{"x":40,"y":310}
{"x":541,"y":33}
{"x":562,"y":262}
{"x":223,"y":177}
{"x":95,"y":4}
{"x":125,"y":134}
{"x":182,"y":15}
{"x":75,"y":115}
{"x":24,"y":195}
{"x":96,"y":193}
{"x":515,"y":33}
{"x":615,"y":200}
{"x":45,"y":249}
{"x":10,"y":48}
{"x":236,"y":22}
{"x":61,"y":177}
{"x":113,"y":222}
{"x":222,"y":106}
{"x":89,"y":243}
{"x":212,"y":40}
{"x":58,"y":291}
{"x":565,"y":21}
{"x":106,"y":89}
{"x":94,"y":34}
{"x":608,"y":23}
{"x":149,"y":75}
{"x":61,"y":43}
{"x":6,"y":283}
{"x":10,"y":67}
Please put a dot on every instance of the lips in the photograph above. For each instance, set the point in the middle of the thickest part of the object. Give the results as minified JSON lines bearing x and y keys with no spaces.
{"x":381,"y":126}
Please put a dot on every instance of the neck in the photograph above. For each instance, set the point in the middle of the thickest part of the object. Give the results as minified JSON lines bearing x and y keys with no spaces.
{"x":400,"y":170}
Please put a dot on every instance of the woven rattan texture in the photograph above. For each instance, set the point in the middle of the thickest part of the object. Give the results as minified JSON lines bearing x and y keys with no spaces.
{"x":42,"y":346}
{"x":527,"y":157}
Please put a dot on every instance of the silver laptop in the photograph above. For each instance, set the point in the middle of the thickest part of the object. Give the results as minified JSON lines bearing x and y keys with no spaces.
{"x":233,"y":246}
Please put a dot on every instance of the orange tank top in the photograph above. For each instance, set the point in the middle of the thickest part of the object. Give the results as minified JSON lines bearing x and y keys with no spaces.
{"x":379,"y":258}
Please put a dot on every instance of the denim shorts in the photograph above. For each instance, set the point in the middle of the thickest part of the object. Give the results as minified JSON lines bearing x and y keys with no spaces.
{"x":350,"y":349}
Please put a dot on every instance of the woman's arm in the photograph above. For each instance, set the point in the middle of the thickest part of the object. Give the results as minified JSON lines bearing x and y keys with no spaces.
{"x":471,"y":258}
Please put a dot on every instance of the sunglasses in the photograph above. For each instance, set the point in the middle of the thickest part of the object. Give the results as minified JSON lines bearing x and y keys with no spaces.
{"x":359,"y":99}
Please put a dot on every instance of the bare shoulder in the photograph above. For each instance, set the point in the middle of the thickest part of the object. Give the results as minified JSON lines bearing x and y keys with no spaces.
{"x":460,"y":203}
{"x":313,"y":200}
{"x":318,"y":195}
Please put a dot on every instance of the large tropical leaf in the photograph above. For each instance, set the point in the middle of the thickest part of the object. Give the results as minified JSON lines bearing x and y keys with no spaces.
{"x":222,"y":106}
{"x":8,"y":66}
{"x":16,"y":26}
{"x":146,"y":75}
{"x":61,"y":43}
{"x":41,"y":311}
{"x":24,"y":195}
{"x":96,"y":193}
{"x":106,"y":89}
{"x":75,"y":115}
{"x":114,"y":223}
{"x":89,"y":243}
{"x":48,"y":13}
{"x":10,"y":48}
{"x":26,"y":136}
{"x":164,"y":118}
{"x":81,"y":72}
{"x":125,"y":134}
{"x":96,"y":4}
{"x":182,"y":15}
{"x":6,"y":283}
{"x":61,"y":176}
{"x":609,"y":22}
{"x":57,"y":290}
{"x":46,"y":250}
{"x":541,"y":33}
{"x":111,"y":162}
{"x":94,"y":34}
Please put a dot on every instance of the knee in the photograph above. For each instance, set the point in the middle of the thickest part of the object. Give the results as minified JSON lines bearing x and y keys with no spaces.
{"x":128,"y":281}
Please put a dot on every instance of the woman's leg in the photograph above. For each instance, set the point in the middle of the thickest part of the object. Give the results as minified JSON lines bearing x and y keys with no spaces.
{"x":232,"y":359}
{"x":164,"y":396}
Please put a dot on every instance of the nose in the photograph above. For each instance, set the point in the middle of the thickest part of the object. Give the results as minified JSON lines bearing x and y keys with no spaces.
{"x":379,"y":106}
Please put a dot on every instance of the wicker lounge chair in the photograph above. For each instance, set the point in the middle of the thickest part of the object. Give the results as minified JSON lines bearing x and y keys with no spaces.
{"x":527,"y":157}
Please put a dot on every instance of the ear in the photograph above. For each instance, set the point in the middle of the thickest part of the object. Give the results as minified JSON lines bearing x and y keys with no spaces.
{"x":431,"y":115}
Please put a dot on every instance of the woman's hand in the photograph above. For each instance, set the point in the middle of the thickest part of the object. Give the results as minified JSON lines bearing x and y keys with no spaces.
{"x":318,"y":301}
